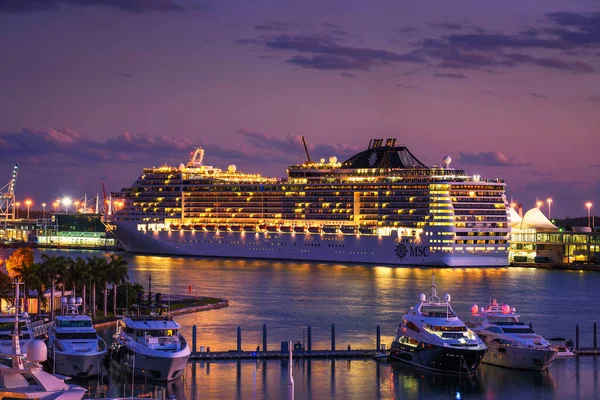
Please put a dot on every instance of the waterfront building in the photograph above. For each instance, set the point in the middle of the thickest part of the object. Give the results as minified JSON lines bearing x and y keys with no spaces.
{"x":381,"y":205}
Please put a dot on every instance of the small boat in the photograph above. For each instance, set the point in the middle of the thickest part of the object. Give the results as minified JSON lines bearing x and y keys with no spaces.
{"x":211,"y":227}
{"x":249,"y":228}
{"x":148,"y":343}
{"x":272,"y":228}
{"x":198,"y":227}
{"x":564,"y":348}
{"x":314,"y":229}
{"x":236,"y":228}
{"x":186,"y":227}
{"x":174,"y":227}
{"x":511,"y":343}
{"x":431,"y":336}
{"x":262,"y":227}
{"x":331,"y":228}
{"x":224,"y":228}
{"x":285,"y":228}
{"x":348,"y":229}
{"x":74,"y":346}
{"x":300,"y":229}
{"x":367,"y":230}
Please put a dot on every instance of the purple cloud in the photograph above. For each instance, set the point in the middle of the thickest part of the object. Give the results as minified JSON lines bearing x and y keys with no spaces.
{"x":494,"y":158}
{"x":21,"y":6}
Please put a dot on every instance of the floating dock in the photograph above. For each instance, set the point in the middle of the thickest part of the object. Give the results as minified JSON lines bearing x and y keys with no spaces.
{"x":265,"y":355}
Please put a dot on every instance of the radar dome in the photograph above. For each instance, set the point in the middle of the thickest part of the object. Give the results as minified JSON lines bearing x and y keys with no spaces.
{"x":181,"y":167}
{"x":447,"y":298}
{"x":37,"y":351}
{"x":25,"y":314}
{"x":332,"y":159}
{"x":474,"y":309}
{"x":512,"y":309}
{"x":79,"y":300}
{"x":63,"y":300}
{"x":505,"y":309}
{"x":481,"y":309}
{"x":447,"y":160}
{"x":322,"y":161}
{"x":232,"y":168}
{"x":72,"y":300}
{"x":422,"y":297}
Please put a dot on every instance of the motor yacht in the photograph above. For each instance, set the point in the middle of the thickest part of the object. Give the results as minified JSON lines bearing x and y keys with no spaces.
{"x":431,"y":336}
{"x":148,"y":343}
{"x":511,"y":343}
{"x":7,"y":323}
{"x":74,"y":347}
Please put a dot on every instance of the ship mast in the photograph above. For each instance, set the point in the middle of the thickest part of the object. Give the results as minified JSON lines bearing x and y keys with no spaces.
{"x":17,"y":362}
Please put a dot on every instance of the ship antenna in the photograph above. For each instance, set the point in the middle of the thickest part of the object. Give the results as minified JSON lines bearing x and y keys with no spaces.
{"x":434,"y":295}
{"x":305,"y":148}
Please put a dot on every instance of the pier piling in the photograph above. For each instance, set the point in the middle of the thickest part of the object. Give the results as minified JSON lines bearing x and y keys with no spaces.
{"x":239,"y":339}
{"x":596,"y":335}
{"x":265,"y":337}
{"x":577,"y":337}
{"x":194,"y":331}
{"x":333,"y":337}
{"x":309,"y":345}
{"x":378,"y":338}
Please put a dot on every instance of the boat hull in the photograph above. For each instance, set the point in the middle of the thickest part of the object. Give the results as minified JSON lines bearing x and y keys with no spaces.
{"x":448,"y":360}
{"x":149,"y":366}
{"x":78,"y":365}
{"x":520,"y":358}
{"x":336,"y":247}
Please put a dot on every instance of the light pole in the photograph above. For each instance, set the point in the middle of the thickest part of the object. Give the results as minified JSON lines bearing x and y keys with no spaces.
{"x":549,"y":200}
{"x":18,"y":204}
{"x":76,"y":204}
{"x":55,"y":204}
{"x":589,"y":206}
{"x":58,"y":206}
{"x":43,"y":210}
{"x":539,"y":204}
{"x":28,"y":202}
{"x":67,"y":202}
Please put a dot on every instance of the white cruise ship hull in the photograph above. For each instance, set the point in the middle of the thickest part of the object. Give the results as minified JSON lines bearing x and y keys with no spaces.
{"x":78,"y":365}
{"x":366,"y":249}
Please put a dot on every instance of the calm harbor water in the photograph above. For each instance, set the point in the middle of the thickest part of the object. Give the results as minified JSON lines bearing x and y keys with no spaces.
{"x":288,"y":296}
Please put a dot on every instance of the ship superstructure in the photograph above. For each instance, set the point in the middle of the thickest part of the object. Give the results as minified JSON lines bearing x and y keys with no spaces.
{"x":381,"y":205}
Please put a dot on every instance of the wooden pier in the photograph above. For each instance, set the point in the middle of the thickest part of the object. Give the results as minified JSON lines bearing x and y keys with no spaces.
{"x":266,"y":355}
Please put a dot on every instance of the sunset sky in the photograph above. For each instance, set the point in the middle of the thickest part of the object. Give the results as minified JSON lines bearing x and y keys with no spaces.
{"x":94,"y":90}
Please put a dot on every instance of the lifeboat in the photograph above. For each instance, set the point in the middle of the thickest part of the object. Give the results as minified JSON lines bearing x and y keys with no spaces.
{"x":300,"y":229}
{"x":236,"y":228}
{"x":367,"y":230}
{"x":272,"y":228}
{"x":249,"y":228}
{"x":285,"y":228}
{"x":348,"y":229}
{"x":331,"y":228}
{"x":175,"y":227}
{"x":186,"y":227}
{"x":198,"y":227}
{"x":211,"y":227}
{"x":262,"y":227}
{"x":314,"y":229}
{"x":224,"y":228}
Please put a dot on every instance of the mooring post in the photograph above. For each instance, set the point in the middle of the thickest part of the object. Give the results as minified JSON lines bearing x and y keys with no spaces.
{"x":194,"y":330}
{"x":239,"y":339}
{"x":265,"y":337}
{"x":333,"y":337}
{"x":309,"y":345}
{"x":596,"y":335}
{"x":577,"y":337}
{"x":531,"y":325}
{"x":378,"y":338}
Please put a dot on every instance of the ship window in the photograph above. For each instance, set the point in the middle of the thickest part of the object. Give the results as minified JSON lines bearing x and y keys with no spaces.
{"x":74,"y":324}
{"x":412,"y":327}
{"x":76,"y":335}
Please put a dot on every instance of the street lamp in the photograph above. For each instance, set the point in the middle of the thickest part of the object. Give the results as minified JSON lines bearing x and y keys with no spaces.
{"x":55,"y":204}
{"x":539,"y":204}
{"x":58,"y":206}
{"x":18,"y":204}
{"x":76,"y":202}
{"x":549,"y":200}
{"x":43,"y":210}
{"x":28,"y":202}
{"x":589,"y":206}
{"x":67,"y":202}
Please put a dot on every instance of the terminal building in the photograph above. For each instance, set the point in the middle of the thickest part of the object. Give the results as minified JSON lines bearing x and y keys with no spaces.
{"x":535,"y":239}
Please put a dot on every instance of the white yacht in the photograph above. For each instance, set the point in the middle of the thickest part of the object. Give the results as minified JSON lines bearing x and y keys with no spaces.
{"x":74,"y":346}
{"x":149,"y":344}
{"x":25,"y":379}
{"x":431,"y":336}
{"x":7,"y":323}
{"x":510,"y":342}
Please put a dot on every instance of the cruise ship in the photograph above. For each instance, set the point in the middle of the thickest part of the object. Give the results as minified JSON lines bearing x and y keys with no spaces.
{"x":380,"y":206}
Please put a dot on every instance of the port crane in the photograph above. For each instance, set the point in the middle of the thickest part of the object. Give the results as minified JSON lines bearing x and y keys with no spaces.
{"x":7,"y":199}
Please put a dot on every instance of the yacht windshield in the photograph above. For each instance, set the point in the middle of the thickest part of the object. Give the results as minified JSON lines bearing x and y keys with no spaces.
{"x":447,"y":328}
{"x":503,"y":320}
{"x":75,"y":324}
{"x":76,"y":335}
{"x":438,"y":311}
{"x":524,"y":329}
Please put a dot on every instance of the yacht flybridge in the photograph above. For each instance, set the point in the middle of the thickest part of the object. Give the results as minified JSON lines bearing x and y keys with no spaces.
{"x":431,"y":336}
{"x":510,"y":342}
{"x":75,"y":347}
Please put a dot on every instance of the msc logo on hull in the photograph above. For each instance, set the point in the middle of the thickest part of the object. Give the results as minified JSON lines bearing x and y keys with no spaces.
{"x":403,"y":251}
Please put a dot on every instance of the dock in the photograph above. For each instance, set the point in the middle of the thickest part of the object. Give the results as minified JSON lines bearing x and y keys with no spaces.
{"x":270,"y":355}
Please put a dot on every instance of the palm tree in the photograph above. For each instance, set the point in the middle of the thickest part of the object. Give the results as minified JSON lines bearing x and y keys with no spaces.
{"x":29,"y":274}
{"x":74,"y":274}
{"x":117,"y":275}
{"x":97,"y":267}
{"x":50,"y":270}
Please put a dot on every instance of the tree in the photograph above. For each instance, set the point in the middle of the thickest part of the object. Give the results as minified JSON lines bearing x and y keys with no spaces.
{"x":51,"y":268}
{"x":117,"y":274}
{"x":23,"y":255}
{"x":97,"y":267}
{"x":6,"y":288}
{"x":30,"y":276}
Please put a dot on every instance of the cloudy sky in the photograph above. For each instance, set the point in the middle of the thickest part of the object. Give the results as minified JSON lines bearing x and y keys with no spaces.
{"x":91,"y":91}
